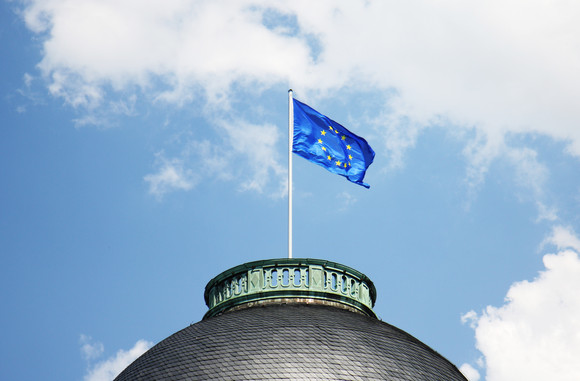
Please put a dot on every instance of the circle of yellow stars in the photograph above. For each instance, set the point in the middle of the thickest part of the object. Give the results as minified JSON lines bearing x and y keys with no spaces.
{"x":348,"y":147}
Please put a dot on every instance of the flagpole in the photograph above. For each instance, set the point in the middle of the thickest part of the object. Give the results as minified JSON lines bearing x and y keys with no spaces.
{"x":290,"y":140}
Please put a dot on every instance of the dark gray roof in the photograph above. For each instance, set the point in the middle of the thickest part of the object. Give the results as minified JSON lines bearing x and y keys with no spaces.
{"x":291,"y":342}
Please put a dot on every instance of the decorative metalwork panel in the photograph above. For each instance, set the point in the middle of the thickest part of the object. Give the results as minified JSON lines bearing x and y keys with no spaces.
{"x":311,"y":278}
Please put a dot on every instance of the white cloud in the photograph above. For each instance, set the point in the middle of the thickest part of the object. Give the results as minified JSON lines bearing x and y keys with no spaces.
{"x":469,"y":372}
{"x":480,"y":153}
{"x":531,"y":176}
{"x":546,"y":213}
{"x":186,"y":44}
{"x":535,"y":335}
{"x":563,"y":238}
{"x":171,"y":175}
{"x":27,"y":78}
{"x":109,"y":369}
{"x":399,"y":133}
{"x":469,"y":317}
{"x":213,"y":160}
{"x":488,"y":69}
{"x":90,"y":349}
{"x":257,"y":143}
{"x":529,"y":173}
{"x":499,"y":65}
{"x":246,"y":152}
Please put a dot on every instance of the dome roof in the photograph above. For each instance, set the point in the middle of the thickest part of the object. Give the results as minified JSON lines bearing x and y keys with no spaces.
{"x":273,"y":334}
{"x":291,"y":342}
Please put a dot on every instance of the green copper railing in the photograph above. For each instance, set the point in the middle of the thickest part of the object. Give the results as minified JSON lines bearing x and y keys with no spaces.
{"x":290,"y":278}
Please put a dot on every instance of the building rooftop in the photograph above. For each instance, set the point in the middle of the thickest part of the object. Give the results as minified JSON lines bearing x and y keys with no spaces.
{"x":292,"y":334}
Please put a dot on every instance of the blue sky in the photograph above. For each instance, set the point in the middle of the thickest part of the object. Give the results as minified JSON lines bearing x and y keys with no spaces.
{"x":143,"y":150}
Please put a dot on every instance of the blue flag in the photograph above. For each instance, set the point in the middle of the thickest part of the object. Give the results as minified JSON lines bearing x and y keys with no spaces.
{"x":321,"y":140}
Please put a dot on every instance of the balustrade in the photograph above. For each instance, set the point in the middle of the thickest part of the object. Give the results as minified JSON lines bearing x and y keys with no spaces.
{"x":286,"y":278}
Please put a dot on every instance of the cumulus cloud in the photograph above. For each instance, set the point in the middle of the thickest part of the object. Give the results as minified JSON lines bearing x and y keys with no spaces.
{"x":490,"y":69}
{"x":109,"y":369}
{"x":535,"y":334}
{"x":185,"y":44}
{"x":442,"y":59}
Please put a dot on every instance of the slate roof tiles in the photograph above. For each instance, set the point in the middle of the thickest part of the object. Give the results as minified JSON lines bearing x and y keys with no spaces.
{"x":291,"y":342}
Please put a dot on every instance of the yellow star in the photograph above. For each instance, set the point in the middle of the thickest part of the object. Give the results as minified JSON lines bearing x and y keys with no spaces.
{"x":348,"y":146}
{"x":329,"y":158}
{"x":323,"y":132}
{"x":350,"y":157}
{"x":345,"y":165}
{"x":324,"y":148}
{"x":330,"y":128}
{"x":338,"y":163}
{"x":349,"y":163}
{"x":320,"y":141}
{"x":343,"y":137}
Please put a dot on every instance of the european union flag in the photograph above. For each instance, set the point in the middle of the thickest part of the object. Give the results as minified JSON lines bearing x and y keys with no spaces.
{"x":321,"y":140}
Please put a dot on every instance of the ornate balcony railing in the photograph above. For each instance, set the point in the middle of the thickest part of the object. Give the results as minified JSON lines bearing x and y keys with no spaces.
{"x":288,"y":279}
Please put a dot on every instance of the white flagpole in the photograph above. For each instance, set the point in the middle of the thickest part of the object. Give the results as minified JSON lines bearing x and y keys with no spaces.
{"x":290,"y":140}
